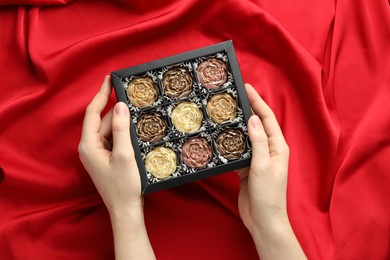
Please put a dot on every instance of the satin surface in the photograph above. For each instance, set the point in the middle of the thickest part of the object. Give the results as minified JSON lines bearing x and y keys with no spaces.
{"x":322,"y":66}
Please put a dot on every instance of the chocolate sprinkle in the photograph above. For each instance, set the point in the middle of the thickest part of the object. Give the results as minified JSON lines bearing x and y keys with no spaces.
{"x":221,"y":108}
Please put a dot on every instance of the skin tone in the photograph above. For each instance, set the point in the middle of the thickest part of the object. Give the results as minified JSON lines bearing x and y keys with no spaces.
{"x":262,"y":198}
{"x":115,"y":173}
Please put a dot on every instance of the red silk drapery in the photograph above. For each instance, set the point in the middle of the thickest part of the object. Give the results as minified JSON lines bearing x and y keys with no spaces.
{"x":322,"y":66}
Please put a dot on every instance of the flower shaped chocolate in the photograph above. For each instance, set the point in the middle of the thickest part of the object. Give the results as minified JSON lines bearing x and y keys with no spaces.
{"x":142,"y":92}
{"x":161,"y":162}
{"x":196,"y":153}
{"x":151,"y":127}
{"x":187,"y":117}
{"x":212,"y":73}
{"x":221,"y":107}
{"x":231,"y":143}
{"x":177,"y":82}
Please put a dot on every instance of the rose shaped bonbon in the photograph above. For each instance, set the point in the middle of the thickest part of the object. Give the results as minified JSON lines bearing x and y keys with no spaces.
{"x":142,"y":92}
{"x":177,"y":82}
{"x":221,"y":108}
{"x":151,"y":127}
{"x":161,"y":162}
{"x":212,"y":73}
{"x":187,"y":117}
{"x":196,"y":153}
{"x":231,"y":143}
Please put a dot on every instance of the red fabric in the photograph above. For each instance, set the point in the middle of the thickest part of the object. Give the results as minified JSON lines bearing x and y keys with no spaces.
{"x":323,"y":66}
{"x":34,"y":2}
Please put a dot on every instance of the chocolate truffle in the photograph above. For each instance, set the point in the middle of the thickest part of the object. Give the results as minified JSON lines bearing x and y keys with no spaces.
{"x":196,"y":153}
{"x":177,"y":82}
{"x":212,"y":73}
{"x":151,"y":127}
{"x":221,"y":107}
{"x":161,"y":162}
{"x":142,"y":92}
{"x":231,"y":143}
{"x":187,"y":117}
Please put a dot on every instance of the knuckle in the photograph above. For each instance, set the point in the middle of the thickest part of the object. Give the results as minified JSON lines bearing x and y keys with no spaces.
{"x":80,"y":148}
{"x":259,"y":137}
{"x":261,"y":142}
{"x":257,"y":103}
{"x":287,"y":150}
{"x":260,"y":166}
{"x":282,"y":150}
{"x":123,"y":156}
{"x":82,"y":151}
{"x":119,"y":125}
{"x":131,"y":153}
{"x":90,"y":108}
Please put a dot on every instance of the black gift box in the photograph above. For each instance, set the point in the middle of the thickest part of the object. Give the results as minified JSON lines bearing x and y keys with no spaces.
{"x":199,"y":95}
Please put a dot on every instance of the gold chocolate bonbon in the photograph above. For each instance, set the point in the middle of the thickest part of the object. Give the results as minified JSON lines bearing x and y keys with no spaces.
{"x":161,"y":162}
{"x":142,"y":92}
{"x":221,"y":108}
{"x":187,"y":117}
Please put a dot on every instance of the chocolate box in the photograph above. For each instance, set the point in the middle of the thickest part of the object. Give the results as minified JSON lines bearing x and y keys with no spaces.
{"x":189,"y":115}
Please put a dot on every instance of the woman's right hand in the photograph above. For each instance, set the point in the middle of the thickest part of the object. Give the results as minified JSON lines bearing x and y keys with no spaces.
{"x":262,"y":197}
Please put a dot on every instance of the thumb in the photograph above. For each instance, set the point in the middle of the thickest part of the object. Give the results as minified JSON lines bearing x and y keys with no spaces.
{"x":122,"y":147}
{"x":261,"y":160}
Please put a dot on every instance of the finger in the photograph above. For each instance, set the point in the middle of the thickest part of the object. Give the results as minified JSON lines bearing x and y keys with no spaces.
{"x":122,"y":148}
{"x":261,"y":109}
{"x":261,"y":160}
{"x":92,"y":114}
{"x":277,"y":143}
{"x":106,"y":125}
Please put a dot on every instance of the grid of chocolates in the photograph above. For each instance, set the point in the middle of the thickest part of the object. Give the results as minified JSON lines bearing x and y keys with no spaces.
{"x":187,"y":117}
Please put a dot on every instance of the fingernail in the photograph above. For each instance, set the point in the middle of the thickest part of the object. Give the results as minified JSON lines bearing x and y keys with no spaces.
{"x":255,"y":121}
{"x":121,"y":108}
